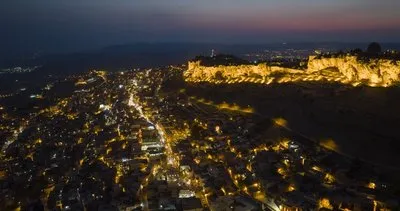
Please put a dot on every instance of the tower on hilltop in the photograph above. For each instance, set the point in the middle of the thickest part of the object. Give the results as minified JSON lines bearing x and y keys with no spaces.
{"x":212,"y":53}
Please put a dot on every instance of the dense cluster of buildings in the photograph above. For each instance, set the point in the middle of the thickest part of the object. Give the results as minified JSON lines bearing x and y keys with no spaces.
{"x":18,"y":70}
{"x":84,"y":151}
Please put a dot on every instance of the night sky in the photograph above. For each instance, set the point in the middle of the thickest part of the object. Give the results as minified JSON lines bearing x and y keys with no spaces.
{"x":80,"y":24}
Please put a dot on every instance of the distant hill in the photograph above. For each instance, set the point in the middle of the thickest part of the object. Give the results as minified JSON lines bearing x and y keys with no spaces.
{"x":142,"y":55}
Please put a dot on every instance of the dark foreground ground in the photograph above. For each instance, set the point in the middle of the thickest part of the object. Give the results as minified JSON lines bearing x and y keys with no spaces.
{"x":362,"y":122}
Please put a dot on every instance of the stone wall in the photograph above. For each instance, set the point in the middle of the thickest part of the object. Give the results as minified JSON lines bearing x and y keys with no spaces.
{"x":345,"y":69}
{"x":378,"y":72}
{"x":196,"y":71}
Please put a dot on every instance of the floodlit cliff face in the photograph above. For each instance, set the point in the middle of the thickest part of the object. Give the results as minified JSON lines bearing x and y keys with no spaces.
{"x":197,"y":72}
{"x":375,"y":72}
{"x":346,"y":69}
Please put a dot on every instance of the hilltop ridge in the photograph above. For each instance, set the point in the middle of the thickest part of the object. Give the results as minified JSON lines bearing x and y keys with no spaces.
{"x":380,"y":70}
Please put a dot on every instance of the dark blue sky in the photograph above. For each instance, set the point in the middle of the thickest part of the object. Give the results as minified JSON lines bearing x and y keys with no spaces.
{"x":80,"y":24}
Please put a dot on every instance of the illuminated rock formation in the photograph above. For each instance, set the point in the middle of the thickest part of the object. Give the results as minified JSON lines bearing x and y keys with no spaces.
{"x":196,"y":71}
{"x":344,"y":69}
{"x":376,"y":72}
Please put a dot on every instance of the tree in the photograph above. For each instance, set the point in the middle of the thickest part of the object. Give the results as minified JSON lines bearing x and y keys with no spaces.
{"x":374,"y":48}
{"x":356,"y":51}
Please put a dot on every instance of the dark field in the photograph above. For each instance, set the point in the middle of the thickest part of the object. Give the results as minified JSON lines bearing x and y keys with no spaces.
{"x":362,"y":122}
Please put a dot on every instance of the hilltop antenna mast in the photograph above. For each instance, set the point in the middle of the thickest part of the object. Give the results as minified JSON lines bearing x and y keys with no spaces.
{"x":212,"y":53}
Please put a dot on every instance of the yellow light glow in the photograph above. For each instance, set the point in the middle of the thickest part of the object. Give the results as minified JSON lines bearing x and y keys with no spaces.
{"x":218,"y":129}
{"x":329,"y":144}
{"x":371,"y":185}
{"x":38,"y":141}
{"x":291,"y":188}
{"x":280,"y":121}
{"x":325,"y":203}
{"x":281,"y":171}
{"x":223,"y":190}
{"x":329,"y":178}
{"x":317,"y":168}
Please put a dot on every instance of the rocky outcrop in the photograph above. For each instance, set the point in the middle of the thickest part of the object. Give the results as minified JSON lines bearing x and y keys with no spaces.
{"x":344,"y":69}
{"x":196,"y":71}
{"x":377,"y":72}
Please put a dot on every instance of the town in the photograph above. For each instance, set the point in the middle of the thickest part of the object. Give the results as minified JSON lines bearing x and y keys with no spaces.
{"x":141,"y":140}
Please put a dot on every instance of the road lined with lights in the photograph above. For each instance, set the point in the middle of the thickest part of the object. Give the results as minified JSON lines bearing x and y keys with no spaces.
{"x":171,"y":162}
{"x":161,"y":134}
